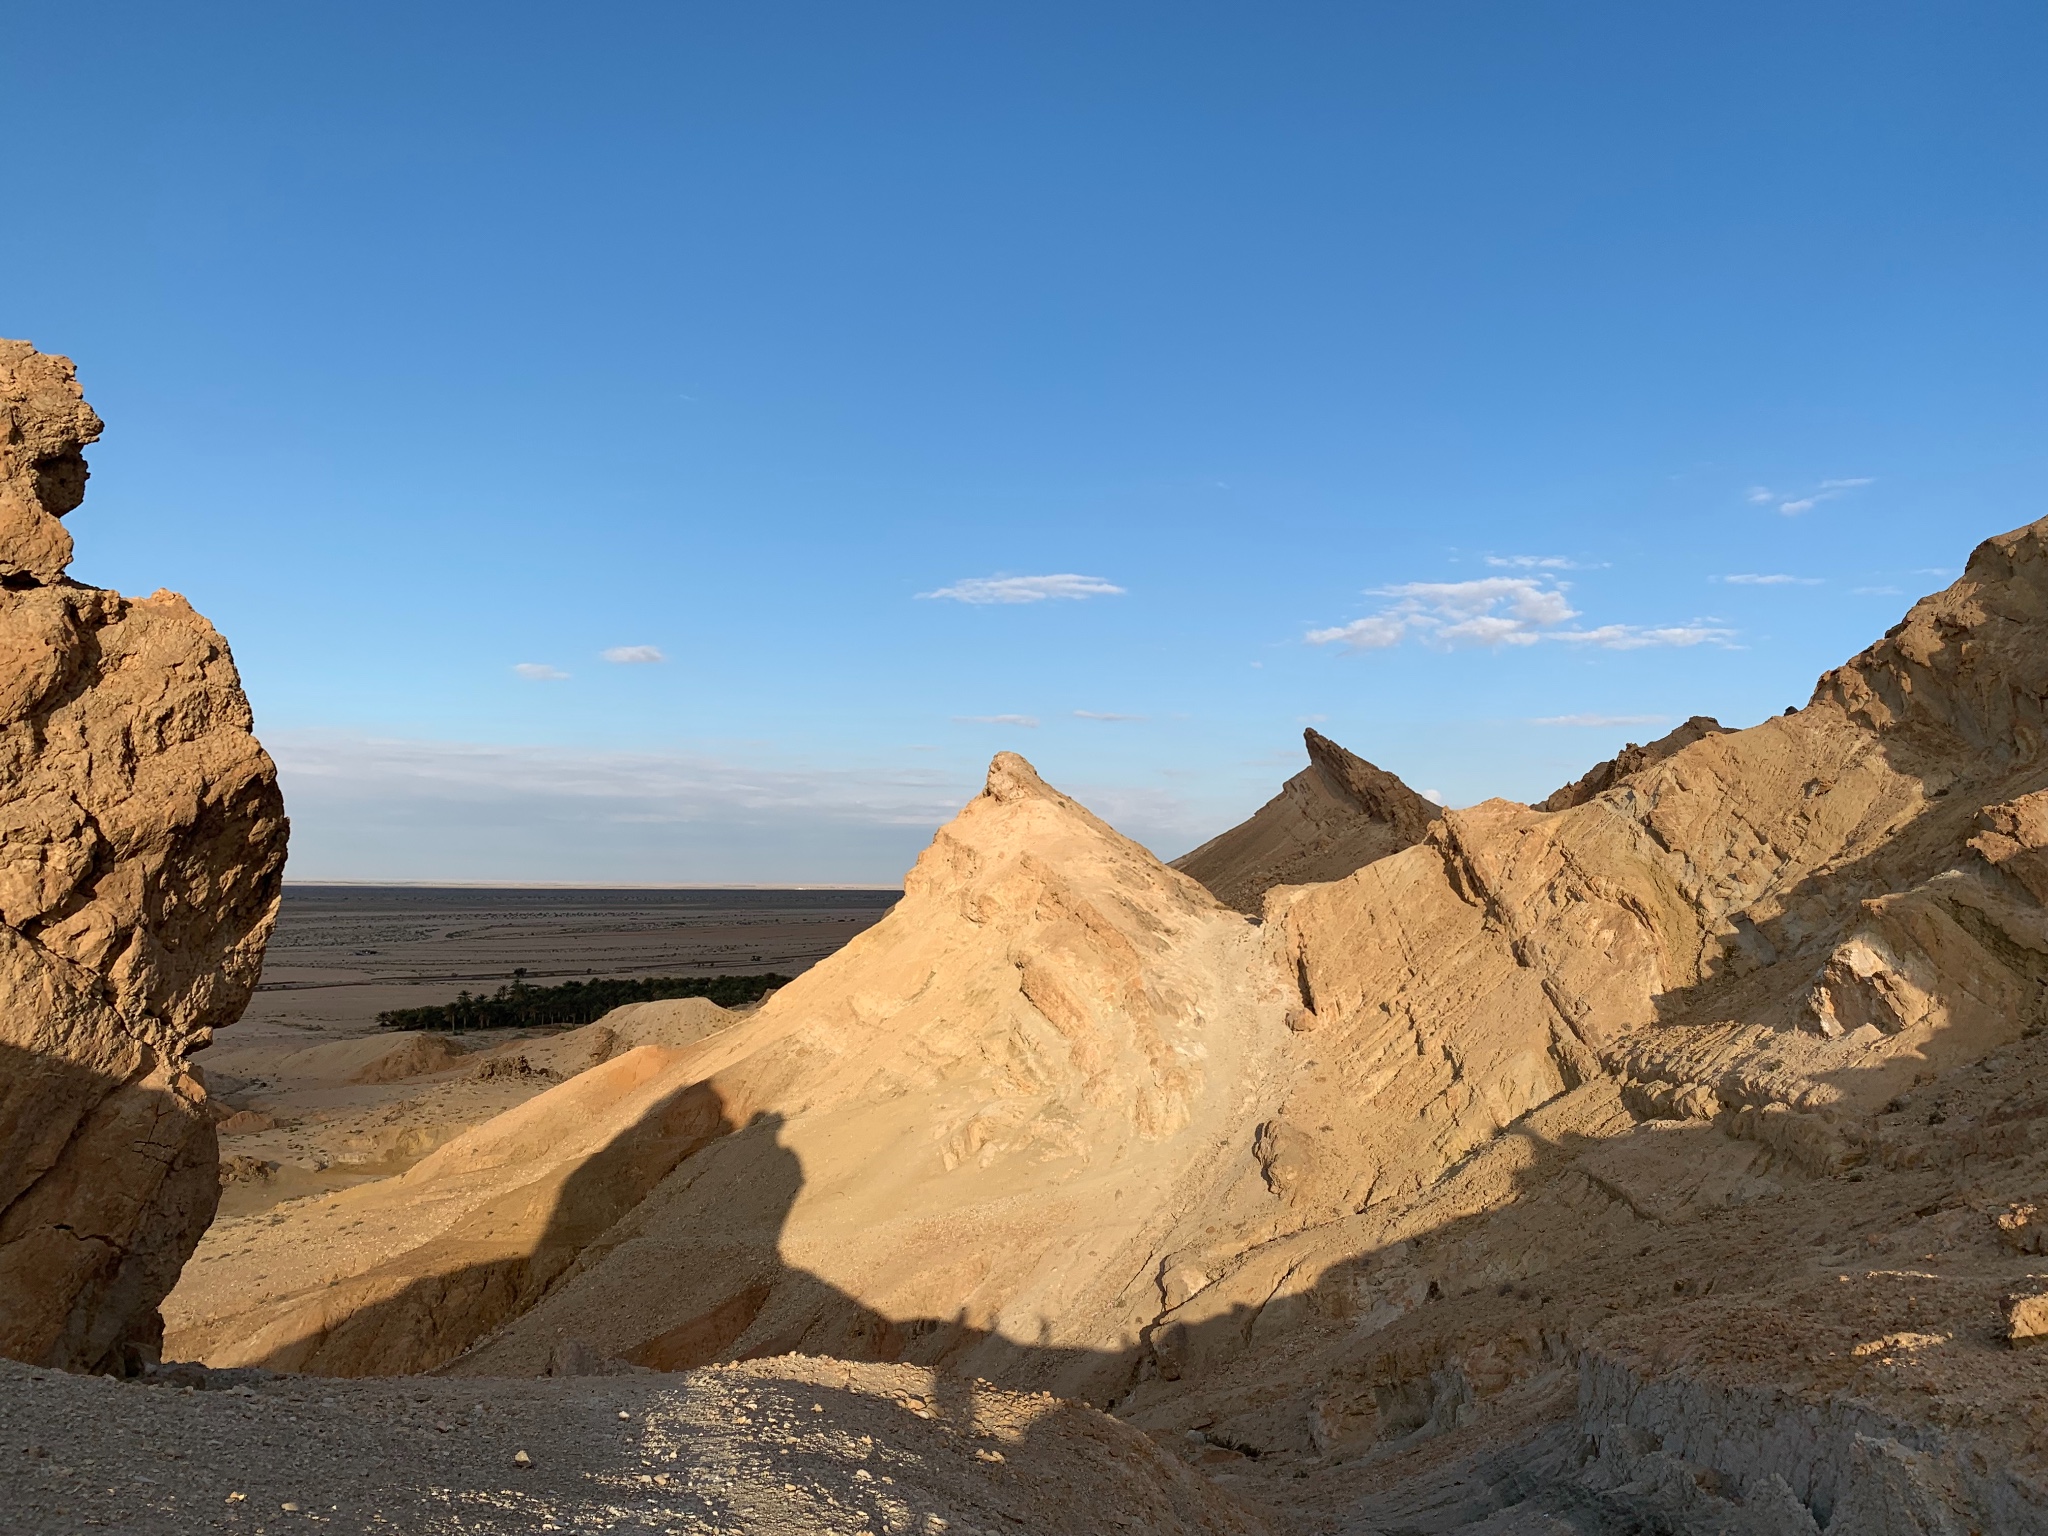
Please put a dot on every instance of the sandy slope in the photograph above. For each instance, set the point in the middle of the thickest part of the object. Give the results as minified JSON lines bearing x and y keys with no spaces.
{"x":1666,"y":1158}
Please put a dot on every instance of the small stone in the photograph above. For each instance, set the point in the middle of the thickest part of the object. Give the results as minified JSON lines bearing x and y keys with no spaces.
{"x":624,"y":1415}
{"x":2026,"y":1319}
{"x":521,"y":1459}
{"x":289,"y":1508}
{"x":236,"y":1498}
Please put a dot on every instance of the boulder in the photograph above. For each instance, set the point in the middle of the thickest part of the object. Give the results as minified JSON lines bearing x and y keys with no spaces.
{"x":142,"y":842}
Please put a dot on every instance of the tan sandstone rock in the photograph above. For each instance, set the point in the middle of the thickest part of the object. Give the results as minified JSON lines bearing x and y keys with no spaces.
{"x":1629,"y":762}
{"x":1645,"y":1156}
{"x":141,"y":848}
{"x":1336,"y":815}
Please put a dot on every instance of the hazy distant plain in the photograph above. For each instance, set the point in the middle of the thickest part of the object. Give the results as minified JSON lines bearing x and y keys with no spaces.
{"x":344,"y":953}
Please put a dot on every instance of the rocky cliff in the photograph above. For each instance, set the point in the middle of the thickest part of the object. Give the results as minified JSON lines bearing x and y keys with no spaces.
{"x":142,"y":844}
{"x":1337,"y":815}
{"x":1673,"y":1160}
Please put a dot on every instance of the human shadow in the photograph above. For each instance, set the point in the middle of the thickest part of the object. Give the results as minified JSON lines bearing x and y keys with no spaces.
{"x":684,"y":1209}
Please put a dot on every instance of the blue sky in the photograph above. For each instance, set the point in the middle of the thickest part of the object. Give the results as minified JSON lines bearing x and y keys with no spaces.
{"x":1425,"y":373}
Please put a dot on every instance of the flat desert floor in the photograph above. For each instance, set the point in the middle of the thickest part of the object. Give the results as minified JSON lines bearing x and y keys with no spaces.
{"x":342,"y":954}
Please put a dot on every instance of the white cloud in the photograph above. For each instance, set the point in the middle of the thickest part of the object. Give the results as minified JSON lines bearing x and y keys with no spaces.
{"x":1026,"y":589}
{"x":1435,"y":797}
{"x":1600,"y":720}
{"x":1369,"y":634}
{"x":1631,"y":637}
{"x":1029,"y":722}
{"x":1494,"y":611}
{"x":539,"y":671}
{"x":1793,"y":505}
{"x":1096,"y":714}
{"x":632,"y":655}
{"x":1748,"y":580}
{"x":1540,"y":563}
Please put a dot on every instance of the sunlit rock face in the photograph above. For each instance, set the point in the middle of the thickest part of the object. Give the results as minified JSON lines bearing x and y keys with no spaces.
{"x":1337,"y":815}
{"x":1676,"y":1155}
{"x":142,"y":842}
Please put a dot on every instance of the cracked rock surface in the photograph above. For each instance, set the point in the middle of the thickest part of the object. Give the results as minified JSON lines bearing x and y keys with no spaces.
{"x":142,"y":843}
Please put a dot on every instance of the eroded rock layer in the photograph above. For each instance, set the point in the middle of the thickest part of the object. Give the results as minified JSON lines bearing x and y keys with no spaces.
{"x":1629,"y":762}
{"x":1337,"y":815}
{"x":1674,"y":1160}
{"x":141,"y":847}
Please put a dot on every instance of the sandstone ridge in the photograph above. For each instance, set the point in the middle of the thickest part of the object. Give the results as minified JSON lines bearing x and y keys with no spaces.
{"x":1336,"y":815}
{"x":142,"y":843}
{"x":1670,"y":1160}
{"x":1629,"y":762}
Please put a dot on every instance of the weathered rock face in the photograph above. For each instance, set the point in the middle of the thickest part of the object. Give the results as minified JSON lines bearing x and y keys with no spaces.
{"x":142,"y":843}
{"x":44,"y":427}
{"x":963,"y":1135}
{"x":1630,"y":761}
{"x":1676,"y":1157}
{"x":1337,"y":815}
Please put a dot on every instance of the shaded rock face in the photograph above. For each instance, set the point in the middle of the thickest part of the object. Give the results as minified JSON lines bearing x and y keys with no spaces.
{"x":142,"y":843}
{"x":1335,"y":816}
{"x":1630,"y":761}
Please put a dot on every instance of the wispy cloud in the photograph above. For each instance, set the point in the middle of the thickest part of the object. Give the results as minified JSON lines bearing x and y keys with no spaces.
{"x":1097,"y":714}
{"x":1600,"y":720}
{"x":1435,"y":797}
{"x":1541,"y":563}
{"x":1632,"y":637}
{"x":1794,"y":503}
{"x":1495,"y":611}
{"x":1877,"y":591}
{"x":539,"y":671}
{"x":1753,"y":580}
{"x":633,"y":655}
{"x":1029,"y":722}
{"x":1026,"y":589}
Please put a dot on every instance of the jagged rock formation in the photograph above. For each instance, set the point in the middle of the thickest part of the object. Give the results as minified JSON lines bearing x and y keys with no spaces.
{"x":1337,"y":815}
{"x":964,"y":1135}
{"x":141,"y":848}
{"x":1629,"y":762}
{"x":1669,"y":1161}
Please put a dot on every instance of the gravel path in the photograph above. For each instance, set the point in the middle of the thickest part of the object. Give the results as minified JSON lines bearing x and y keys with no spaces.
{"x":790,"y":1445}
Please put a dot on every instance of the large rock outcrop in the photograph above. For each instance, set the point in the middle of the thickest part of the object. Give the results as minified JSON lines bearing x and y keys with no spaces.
{"x":1337,"y":815}
{"x":1674,"y":1159}
{"x":142,"y":844}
